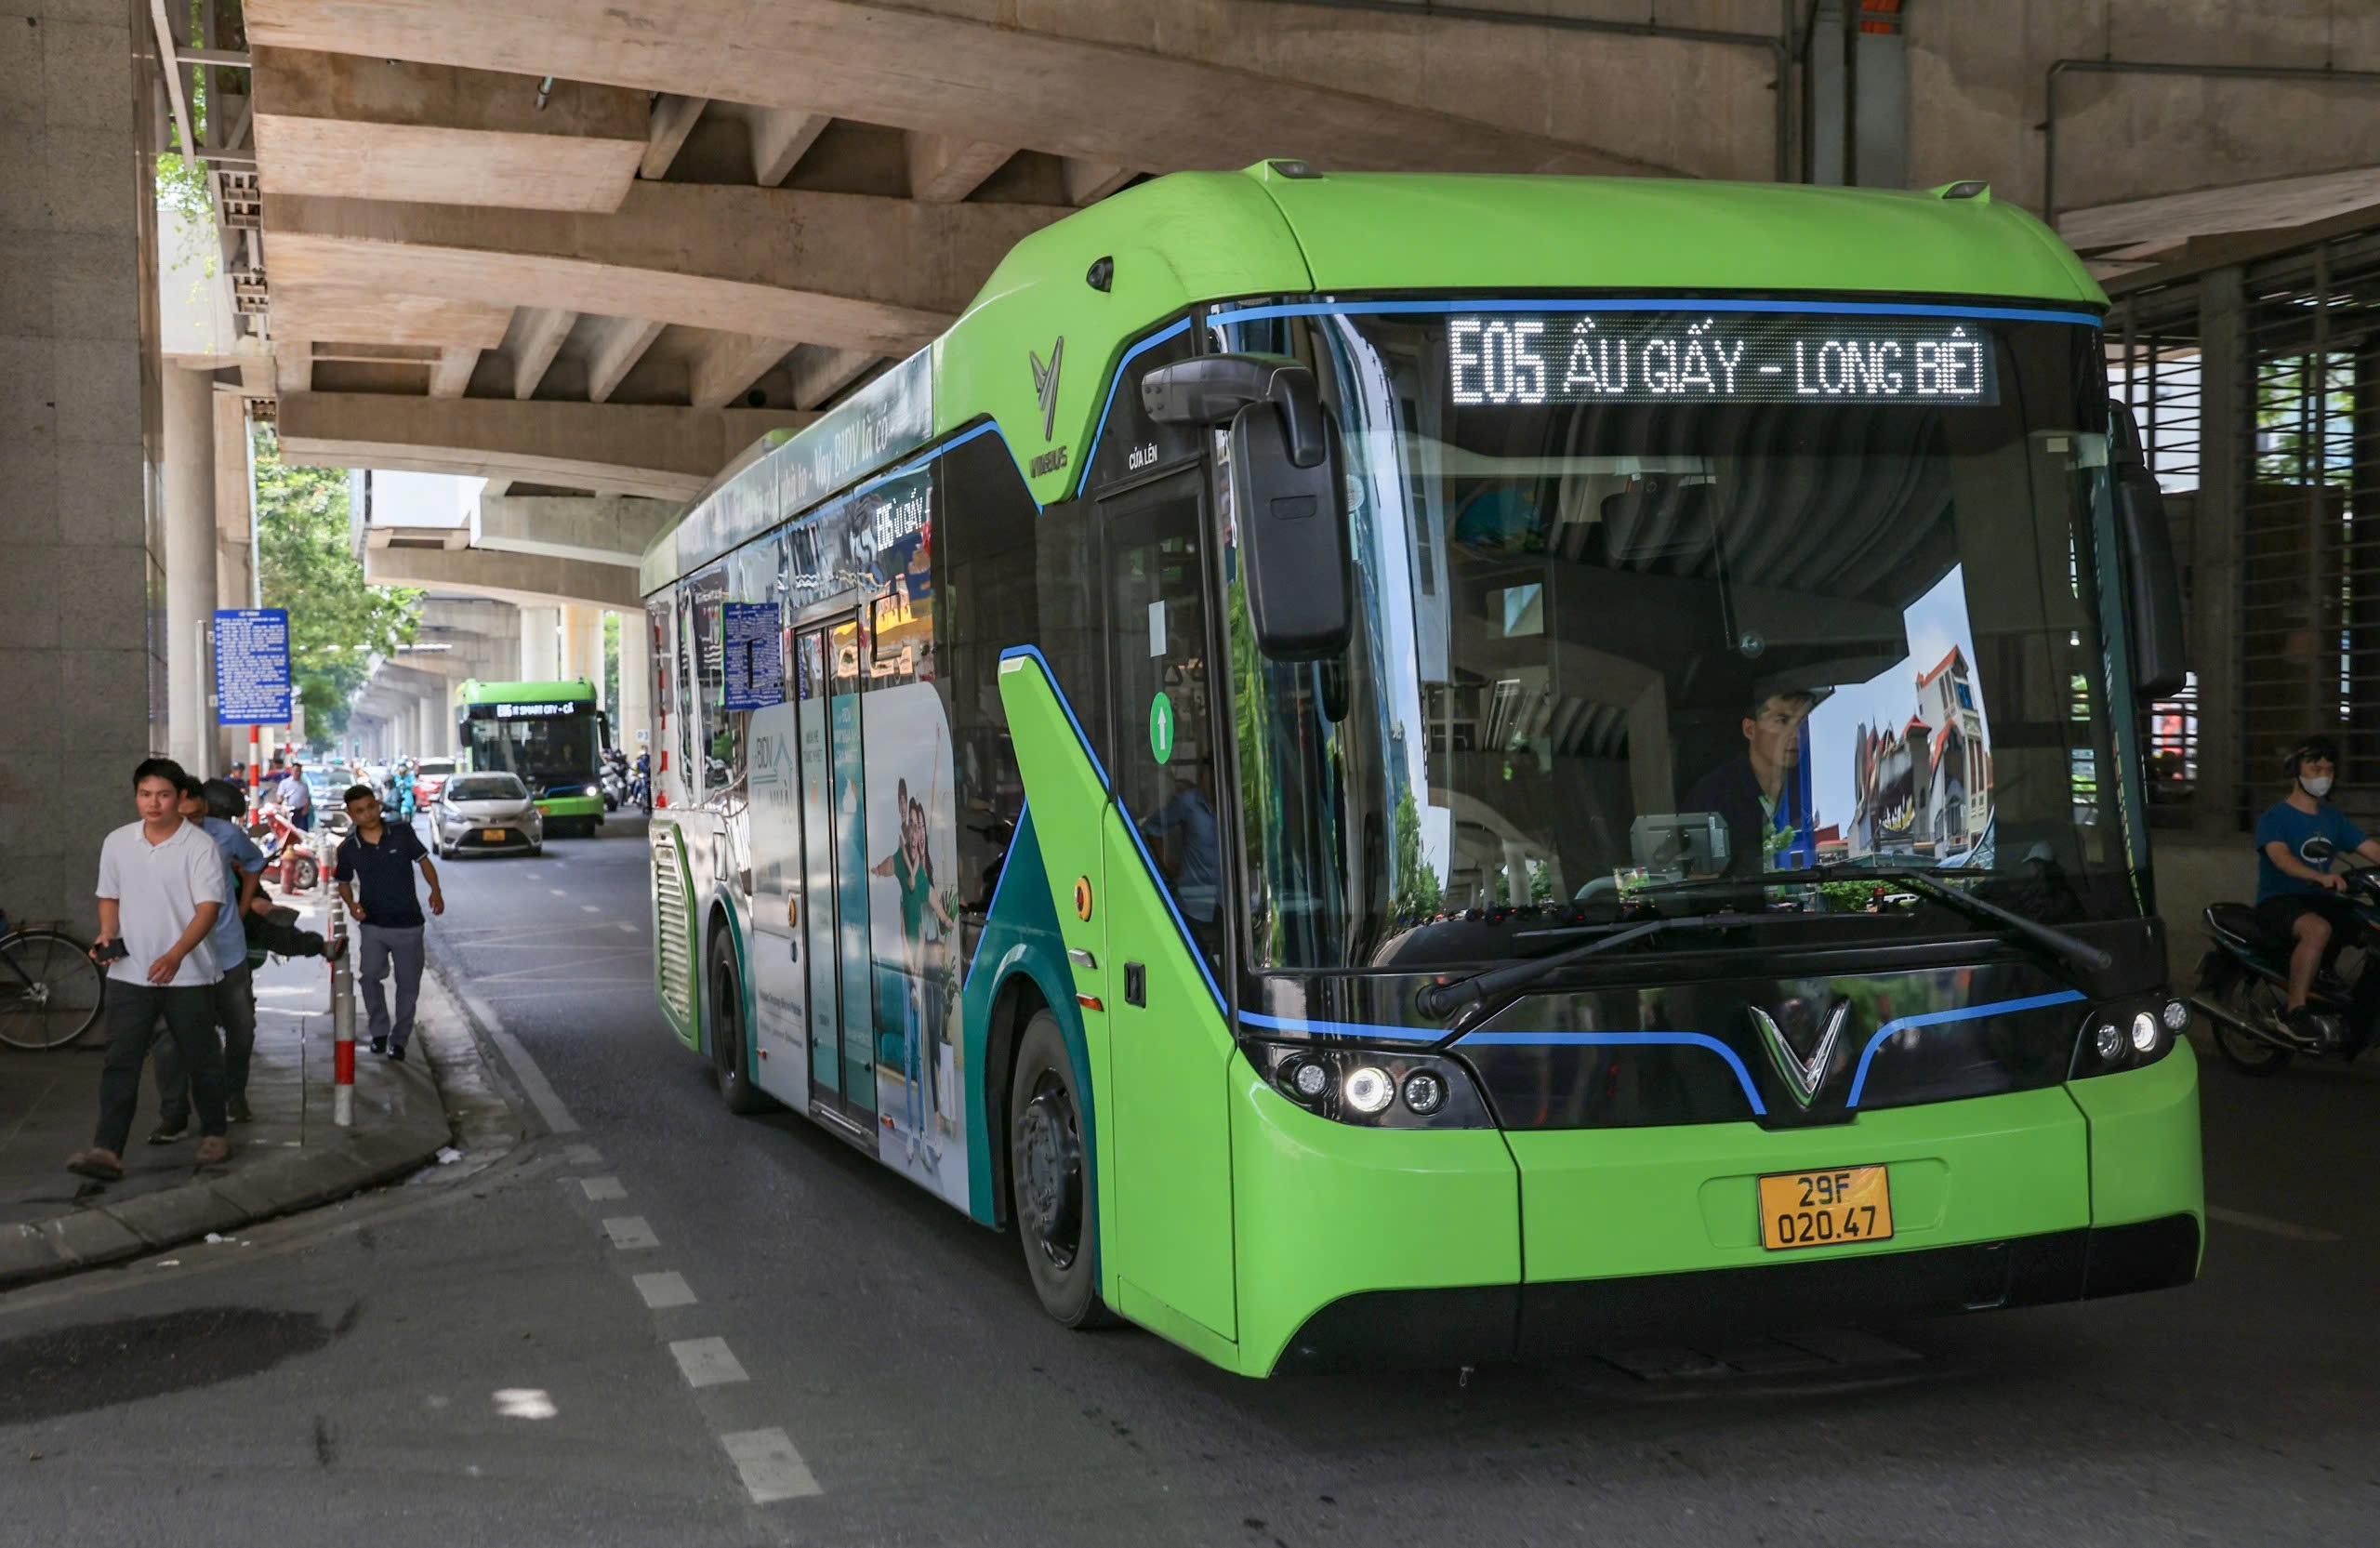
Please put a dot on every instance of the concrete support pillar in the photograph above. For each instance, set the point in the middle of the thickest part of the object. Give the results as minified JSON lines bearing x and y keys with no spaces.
{"x":540,"y":643}
{"x":582,"y":643}
{"x":635,"y":709}
{"x":235,"y":585}
{"x":190,"y":566}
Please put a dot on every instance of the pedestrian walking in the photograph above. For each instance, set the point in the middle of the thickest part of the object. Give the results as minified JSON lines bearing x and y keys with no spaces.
{"x":297,"y":798}
{"x":161,"y":889}
{"x":375,"y":878}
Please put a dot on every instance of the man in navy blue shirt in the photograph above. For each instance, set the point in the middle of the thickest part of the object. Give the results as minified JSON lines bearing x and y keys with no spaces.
{"x":377,"y":861}
{"x":2298,"y":897}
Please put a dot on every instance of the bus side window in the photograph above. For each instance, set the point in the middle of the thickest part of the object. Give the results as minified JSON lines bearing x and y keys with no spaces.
{"x":985,"y":563}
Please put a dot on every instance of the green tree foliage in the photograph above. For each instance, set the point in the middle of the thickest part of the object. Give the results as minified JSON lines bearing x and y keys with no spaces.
{"x":337,"y":621}
{"x":1419,"y":895}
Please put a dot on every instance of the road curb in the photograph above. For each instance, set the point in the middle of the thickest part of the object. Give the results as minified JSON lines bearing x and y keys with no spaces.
{"x":257,"y":1185}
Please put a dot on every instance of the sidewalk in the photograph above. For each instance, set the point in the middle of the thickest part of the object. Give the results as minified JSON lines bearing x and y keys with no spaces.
{"x":290,"y":1157}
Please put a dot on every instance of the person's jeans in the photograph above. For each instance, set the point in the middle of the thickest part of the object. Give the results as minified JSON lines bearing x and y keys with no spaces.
{"x":132,"y":1012}
{"x":302,"y":819}
{"x":385,"y":946}
{"x":235,"y":1014}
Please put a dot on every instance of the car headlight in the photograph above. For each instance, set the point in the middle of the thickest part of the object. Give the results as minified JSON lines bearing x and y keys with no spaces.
{"x":1371,"y":1088}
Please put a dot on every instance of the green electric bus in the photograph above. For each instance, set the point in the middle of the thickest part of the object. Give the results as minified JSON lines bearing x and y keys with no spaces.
{"x":1397,"y":766}
{"x":551,"y":734}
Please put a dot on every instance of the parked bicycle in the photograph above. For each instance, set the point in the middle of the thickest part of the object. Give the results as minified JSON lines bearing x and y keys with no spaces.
{"x":50,"y":989}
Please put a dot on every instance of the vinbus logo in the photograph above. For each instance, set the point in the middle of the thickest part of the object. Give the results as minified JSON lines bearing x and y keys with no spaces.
{"x":1045,"y":386}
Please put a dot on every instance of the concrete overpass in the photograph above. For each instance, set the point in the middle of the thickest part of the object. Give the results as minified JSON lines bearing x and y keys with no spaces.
{"x":592,"y":249}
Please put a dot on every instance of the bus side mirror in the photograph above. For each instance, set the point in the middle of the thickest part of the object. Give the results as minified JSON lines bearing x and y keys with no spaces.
{"x":2154,"y":581}
{"x":1291,"y":516}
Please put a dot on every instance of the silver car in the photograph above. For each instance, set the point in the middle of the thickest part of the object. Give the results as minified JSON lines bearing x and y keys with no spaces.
{"x":488,"y":813}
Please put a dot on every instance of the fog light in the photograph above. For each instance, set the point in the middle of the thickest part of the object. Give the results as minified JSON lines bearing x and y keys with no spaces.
{"x":2144,"y":1032}
{"x":2110,"y":1042}
{"x":1367,"y":1088}
{"x":1424,"y":1092}
{"x":2178,"y":1016}
{"x":1308,"y":1081}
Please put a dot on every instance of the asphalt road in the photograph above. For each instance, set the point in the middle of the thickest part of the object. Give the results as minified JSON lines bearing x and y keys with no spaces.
{"x":479,"y":1363}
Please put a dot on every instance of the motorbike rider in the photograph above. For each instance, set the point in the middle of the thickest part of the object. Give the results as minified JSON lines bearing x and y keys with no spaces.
{"x":2299,"y":899}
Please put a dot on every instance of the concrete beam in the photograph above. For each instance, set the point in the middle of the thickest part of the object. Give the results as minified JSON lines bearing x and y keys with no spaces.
{"x":1090,"y":181}
{"x":348,"y":314}
{"x":601,"y":529}
{"x":372,"y":128}
{"x":727,"y":363}
{"x":845,"y":270}
{"x":819,"y":374}
{"x":615,"y":345}
{"x":531,"y":579}
{"x":451,"y":373}
{"x":2175,"y":219}
{"x":945,"y":169}
{"x":477,"y":615}
{"x":673,"y":119}
{"x":536,"y":337}
{"x":630,"y":449}
{"x":780,"y":138}
{"x":1141,"y":87}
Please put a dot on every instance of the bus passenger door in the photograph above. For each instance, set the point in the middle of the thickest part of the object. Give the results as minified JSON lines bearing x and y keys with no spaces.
{"x":774,"y":875}
{"x":842,"y":1066}
{"x":1169,"y":1212}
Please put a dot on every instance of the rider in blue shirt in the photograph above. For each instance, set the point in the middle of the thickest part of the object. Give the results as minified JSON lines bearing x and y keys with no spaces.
{"x":2298,"y":897}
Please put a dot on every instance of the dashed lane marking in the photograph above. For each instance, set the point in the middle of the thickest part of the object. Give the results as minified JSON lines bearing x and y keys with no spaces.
{"x":556,"y":891}
{"x":2286,"y":1230}
{"x":588,"y":908}
{"x":625,"y":926}
{"x":771,"y":1468}
{"x":707,"y":1362}
{"x":582,"y":1155}
{"x":603,"y":1187}
{"x":629,"y":1231}
{"x":664,"y":1291}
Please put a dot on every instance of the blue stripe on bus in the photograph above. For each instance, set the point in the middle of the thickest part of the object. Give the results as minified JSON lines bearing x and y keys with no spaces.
{"x":1373,"y":1030}
{"x":1634,"y":1039}
{"x":1151,"y":342}
{"x":1937,"y":1018}
{"x":1651,"y":303}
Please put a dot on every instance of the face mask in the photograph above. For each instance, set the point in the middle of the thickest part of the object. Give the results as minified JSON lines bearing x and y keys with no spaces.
{"x":2317,"y":786}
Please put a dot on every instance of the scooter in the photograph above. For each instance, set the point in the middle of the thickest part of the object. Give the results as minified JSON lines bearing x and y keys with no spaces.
{"x":288,"y":857}
{"x":2244,"y":987}
{"x":615,"y":781}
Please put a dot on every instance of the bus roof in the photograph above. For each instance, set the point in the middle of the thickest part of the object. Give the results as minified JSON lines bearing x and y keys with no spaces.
{"x":474,"y":692}
{"x":1279,"y":230}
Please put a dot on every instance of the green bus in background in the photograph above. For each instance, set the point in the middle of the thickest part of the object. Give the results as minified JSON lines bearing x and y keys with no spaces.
{"x":550,"y":733}
{"x":1396,"y":767}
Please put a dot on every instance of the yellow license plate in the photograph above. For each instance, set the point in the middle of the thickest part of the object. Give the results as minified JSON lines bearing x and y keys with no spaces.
{"x":491,"y":835}
{"x":1824,"y":1208}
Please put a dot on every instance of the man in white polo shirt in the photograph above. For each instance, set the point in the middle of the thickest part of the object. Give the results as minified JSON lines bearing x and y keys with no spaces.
{"x":161,"y":887}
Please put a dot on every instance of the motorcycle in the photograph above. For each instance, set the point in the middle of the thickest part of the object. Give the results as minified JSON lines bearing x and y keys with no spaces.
{"x":2244,"y":987}
{"x":615,"y":782}
{"x":289,"y":856}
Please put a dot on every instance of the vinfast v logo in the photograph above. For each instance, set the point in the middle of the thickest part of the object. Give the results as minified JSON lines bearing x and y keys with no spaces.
{"x":1045,"y":386}
{"x":1803,"y":1077}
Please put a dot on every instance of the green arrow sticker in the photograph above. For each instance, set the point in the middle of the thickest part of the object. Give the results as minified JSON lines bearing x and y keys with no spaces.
{"x":1162,"y":728}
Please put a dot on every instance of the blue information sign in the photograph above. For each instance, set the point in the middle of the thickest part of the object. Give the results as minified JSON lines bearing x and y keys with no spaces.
{"x":754,"y":659}
{"x":251,"y":666}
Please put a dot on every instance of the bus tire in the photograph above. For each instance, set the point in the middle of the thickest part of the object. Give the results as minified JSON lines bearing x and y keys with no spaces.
{"x":1050,"y":1178}
{"x":727,"y":1050}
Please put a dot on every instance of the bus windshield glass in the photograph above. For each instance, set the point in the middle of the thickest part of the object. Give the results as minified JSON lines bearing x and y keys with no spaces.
{"x":1691,"y":609}
{"x":542,"y":750}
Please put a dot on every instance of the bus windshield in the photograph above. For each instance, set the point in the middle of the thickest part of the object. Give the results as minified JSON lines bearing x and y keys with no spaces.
{"x":542,"y":750}
{"x":1664,"y":608}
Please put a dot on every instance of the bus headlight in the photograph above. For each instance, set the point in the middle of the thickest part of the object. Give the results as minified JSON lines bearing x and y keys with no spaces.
{"x":591,"y":790}
{"x":1369,"y":1086}
{"x":2128,"y":1034}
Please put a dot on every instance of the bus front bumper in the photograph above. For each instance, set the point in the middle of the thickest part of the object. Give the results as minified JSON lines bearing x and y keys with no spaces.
{"x":1372,"y":1247}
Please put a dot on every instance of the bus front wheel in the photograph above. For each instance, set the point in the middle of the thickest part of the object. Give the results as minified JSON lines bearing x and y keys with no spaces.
{"x":1050,"y":1178}
{"x":727,"y":1050}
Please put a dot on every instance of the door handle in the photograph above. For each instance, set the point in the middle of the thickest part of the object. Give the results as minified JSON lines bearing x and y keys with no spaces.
{"x":1136,"y":983}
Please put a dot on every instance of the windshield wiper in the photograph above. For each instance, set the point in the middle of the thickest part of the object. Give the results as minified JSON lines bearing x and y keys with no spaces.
{"x":1440,"y":1000}
{"x":2071,"y":950}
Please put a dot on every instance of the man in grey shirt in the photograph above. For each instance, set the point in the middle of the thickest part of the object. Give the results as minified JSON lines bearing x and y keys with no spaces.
{"x":161,"y":888}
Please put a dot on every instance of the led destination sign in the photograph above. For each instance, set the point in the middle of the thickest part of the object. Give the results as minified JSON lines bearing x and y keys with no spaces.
{"x":1520,"y":358}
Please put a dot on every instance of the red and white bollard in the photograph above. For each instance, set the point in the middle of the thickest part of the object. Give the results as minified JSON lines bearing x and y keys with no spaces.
{"x":342,"y":1020}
